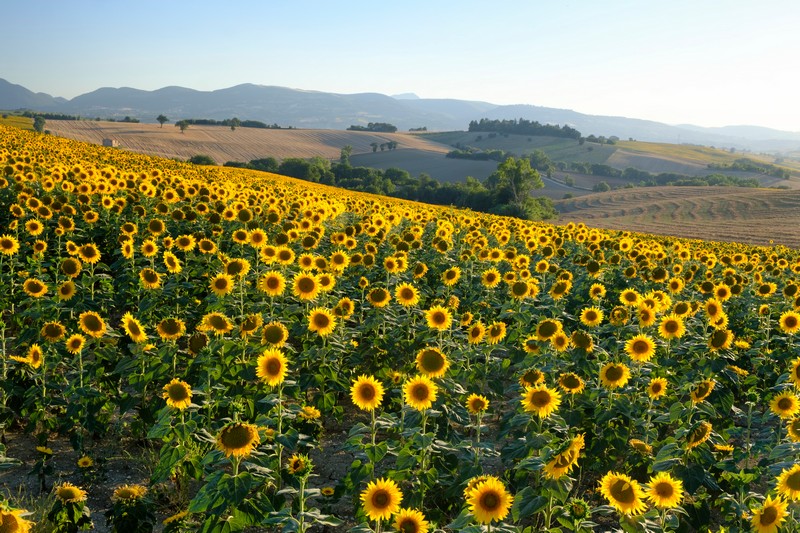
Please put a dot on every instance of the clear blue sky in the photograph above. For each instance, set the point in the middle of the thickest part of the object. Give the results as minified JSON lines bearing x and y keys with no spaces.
{"x":705,"y":62}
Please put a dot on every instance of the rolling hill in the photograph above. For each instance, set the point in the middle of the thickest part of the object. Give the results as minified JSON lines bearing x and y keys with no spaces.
{"x":321,"y":110}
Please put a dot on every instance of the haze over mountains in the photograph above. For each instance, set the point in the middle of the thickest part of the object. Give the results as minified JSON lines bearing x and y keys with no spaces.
{"x":314,"y":109}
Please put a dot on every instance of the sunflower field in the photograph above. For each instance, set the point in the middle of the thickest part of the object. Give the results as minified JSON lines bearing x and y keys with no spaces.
{"x":470,"y":372}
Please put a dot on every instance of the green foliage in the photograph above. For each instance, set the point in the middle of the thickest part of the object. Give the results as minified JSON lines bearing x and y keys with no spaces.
{"x":38,"y":123}
{"x":524,"y":127}
{"x":380,"y":127}
{"x":201,"y":159}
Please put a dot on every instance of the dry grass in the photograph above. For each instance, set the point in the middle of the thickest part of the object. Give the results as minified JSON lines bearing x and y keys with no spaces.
{"x":224,"y":145}
{"x":16,"y":121}
{"x":754,"y":216}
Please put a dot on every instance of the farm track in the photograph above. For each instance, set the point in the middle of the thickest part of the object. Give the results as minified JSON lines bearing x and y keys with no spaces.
{"x":753,"y":216}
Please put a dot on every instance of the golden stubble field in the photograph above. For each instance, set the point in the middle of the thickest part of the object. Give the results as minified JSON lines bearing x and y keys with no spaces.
{"x":222,"y":144}
{"x":753,"y":216}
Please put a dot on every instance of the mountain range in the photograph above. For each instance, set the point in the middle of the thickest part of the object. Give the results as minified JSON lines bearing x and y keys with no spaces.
{"x":315,"y":109}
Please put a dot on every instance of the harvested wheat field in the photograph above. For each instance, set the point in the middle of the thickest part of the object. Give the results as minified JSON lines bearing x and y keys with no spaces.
{"x":753,"y":216}
{"x":222,"y":144}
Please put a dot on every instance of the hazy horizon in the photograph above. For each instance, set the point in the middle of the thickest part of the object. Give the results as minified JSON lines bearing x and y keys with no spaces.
{"x":712,"y":63}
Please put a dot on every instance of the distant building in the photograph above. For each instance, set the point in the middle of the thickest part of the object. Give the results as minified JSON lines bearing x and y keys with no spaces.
{"x":111,"y":142}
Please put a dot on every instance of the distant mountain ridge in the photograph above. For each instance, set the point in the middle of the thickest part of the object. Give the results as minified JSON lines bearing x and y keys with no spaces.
{"x":316,"y":109}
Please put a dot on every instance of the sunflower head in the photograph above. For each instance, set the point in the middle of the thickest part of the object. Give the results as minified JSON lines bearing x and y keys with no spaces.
{"x":178,"y":394}
{"x":432,"y":362}
{"x":489,"y":501}
{"x":272,"y":367}
{"x":623,"y":493}
{"x":541,"y":400}
{"x":367,"y":393}
{"x":238,"y":439}
{"x":420,"y":392}
{"x":381,"y":499}
{"x":665,"y":491}
{"x":69,"y":493}
{"x":477,"y":403}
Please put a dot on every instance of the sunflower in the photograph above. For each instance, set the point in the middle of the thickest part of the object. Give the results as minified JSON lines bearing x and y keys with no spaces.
{"x":216,"y":322}
{"x":91,"y":324}
{"x":793,"y":428}
{"x":237,"y":267}
{"x":272,"y":367}
{"x":431,"y":362}
{"x":85,"y":462}
{"x":713,"y":309}
{"x":640,"y":348}
{"x":477,"y":403}
{"x":178,"y":394}
{"x":698,"y":435}
{"x":133,"y":328}
{"x":410,"y":521}
{"x":581,"y":339}
{"x":322,"y":321}
{"x":790,"y":322}
{"x":53,"y":331}
{"x":150,"y":278}
{"x":657,"y":388}
{"x":367,"y":393}
{"x":309,"y":412}
{"x":128,"y":494}
{"x":66,"y":291}
{"x":381,"y":499}
{"x":541,"y":400}
{"x":379,"y":297}
{"x":171,"y":328}
{"x":476,"y":332}
{"x":75,"y":343}
{"x":785,"y":405}
{"x":89,"y":253}
{"x":272,"y":283}
{"x":495,"y":332}
{"x":629,"y":298}
{"x":641,"y":446}
{"x":490,"y":278}
{"x":560,"y":342}
{"x":597,"y":291}
{"x":344,"y":308}
{"x":614,"y":375}
{"x":34,"y":288}
{"x":591,"y":317}
{"x":274,"y":334}
{"x":665,"y":491}
{"x":8,"y":245}
{"x":788,"y":483}
{"x":11,"y":520}
{"x":172,"y":263}
{"x":305,"y":286}
{"x":720,"y":339}
{"x":238,"y":439}
{"x":531,"y":378}
{"x":298,"y":464}
{"x":438,"y":317}
{"x":71,"y":267}
{"x":623,"y":493}
{"x":250,"y":324}
{"x":571,"y":383}
{"x":406,"y":294}
{"x":671,"y":327}
{"x":221,"y":284}
{"x":420,"y":392}
{"x":451,"y":276}
{"x":489,"y":501}
{"x":563,"y":462}
{"x":702,"y":390}
{"x":770,"y":517}
{"x":547,"y":328}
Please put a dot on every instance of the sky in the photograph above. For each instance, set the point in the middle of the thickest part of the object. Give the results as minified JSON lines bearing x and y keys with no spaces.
{"x":702,"y":62}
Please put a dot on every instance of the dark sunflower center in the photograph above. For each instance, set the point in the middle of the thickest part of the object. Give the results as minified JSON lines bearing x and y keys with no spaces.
{"x":53,"y":330}
{"x":614,"y":373}
{"x":547,"y":329}
{"x":571,"y":381}
{"x":432,"y":361}
{"x":622,"y":491}
{"x":93,"y":323}
{"x":591,"y":316}
{"x":407,"y":525}
{"x":273,"y":367}
{"x":236,"y":437}
{"x":784,"y":404}
{"x":640,"y":347}
{"x":367,"y":391}
{"x":306,"y":285}
{"x":407,"y":294}
{"x":150,"y":276}
{"x":133,"y":327}
{"x":218,"y":322}
{"x":438,"y":318}
{"x":379,"y":295}
{"x":171,"y":326}
{"x":381,"y":499}
{"x":665,"y":490}
{"x":768,"y":516}
{"x":478,"y":404}
{"x":273,"y":334}
{"x":656,"y":388}
{"x":490,"y":501}
{"x":671,"y":326}
{"x":540,"y":398}
{"x":321,"y":320}
{"x":790,"y":322}
{"x":793,"y":481}
{"x":420,"y":392}
{"x":221,"y":284}
{"x":177,"y":392}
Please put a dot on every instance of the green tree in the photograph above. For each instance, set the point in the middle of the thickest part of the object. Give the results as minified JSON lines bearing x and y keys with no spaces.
{"x":38,"y":123}
{"x":235,"y":123}
{"x":344,"y":155}
{"x":514,"y":180}
{"x":162,"y":119}
{"x":374,"y":146}
{"x":182,"y":124}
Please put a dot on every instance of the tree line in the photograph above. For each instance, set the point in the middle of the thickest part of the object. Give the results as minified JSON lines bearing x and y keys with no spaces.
{"x":748,"y":165}
{"x":524,"y":127}
{"x":378,"y":127}
{"x":506,"y":192}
